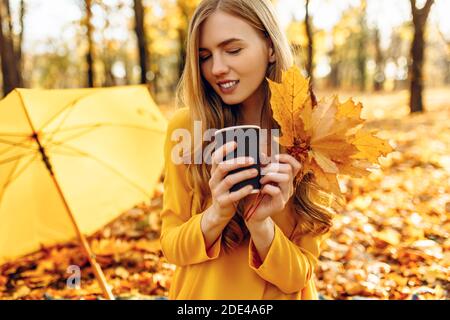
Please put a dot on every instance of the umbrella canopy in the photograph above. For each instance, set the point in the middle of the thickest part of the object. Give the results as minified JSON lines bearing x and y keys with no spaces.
{"x":104,"y":148}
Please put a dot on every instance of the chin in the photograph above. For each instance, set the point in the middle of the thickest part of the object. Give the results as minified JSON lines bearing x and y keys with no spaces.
{"x":231,"y":100}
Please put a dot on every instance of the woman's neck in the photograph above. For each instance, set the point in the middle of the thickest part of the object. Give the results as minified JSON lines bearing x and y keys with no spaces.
{"x":250,"y":111}
{"x":250,"y":117}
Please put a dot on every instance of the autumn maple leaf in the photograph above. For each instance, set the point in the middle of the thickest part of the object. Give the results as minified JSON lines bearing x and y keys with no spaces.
{"x":326,"y":137}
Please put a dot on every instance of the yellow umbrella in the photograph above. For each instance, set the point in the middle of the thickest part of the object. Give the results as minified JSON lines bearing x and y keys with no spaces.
{"x":71,"y":161}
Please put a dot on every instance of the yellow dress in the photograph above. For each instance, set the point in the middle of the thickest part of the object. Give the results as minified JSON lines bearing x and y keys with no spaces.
{"x":286,"y":273}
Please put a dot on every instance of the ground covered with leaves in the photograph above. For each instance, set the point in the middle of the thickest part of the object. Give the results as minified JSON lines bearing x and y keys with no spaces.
{"x":391,"y":240}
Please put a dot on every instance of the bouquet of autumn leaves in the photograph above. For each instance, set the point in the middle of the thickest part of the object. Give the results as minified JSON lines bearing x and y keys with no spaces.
{"x":327,"y":137}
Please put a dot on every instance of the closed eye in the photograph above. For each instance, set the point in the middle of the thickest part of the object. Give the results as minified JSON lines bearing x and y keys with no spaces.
{"x":234,"y":51}
{"x":202,"y":59}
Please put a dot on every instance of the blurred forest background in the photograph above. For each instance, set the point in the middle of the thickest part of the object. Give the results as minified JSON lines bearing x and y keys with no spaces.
{"x":363,"y":45}
{"x":390,"y":241}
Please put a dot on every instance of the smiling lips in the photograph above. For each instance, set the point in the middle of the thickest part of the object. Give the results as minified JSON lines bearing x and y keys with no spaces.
{"x":227,"y":87}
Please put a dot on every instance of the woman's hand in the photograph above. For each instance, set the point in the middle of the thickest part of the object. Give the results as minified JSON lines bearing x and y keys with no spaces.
{"x":223,"y":201}
{"x":278,"y":186}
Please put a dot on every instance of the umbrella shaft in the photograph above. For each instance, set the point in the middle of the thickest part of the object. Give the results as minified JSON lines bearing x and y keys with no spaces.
{"x":45,"y":158}
{"x":91,"y":257}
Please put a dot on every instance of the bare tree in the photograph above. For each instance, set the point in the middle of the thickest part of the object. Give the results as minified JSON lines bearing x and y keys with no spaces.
{"x":334,"y":80}
{"x":186,"y":10}
{"x":22,"y":13}
{"x":90,"y":51}
{"x":139,"y":14}
{"x":107,"y":55}
{"x":420,"y":17}
{"x":182,"y":36}
{"x":378,"y":79}
{"x":11,"y":74}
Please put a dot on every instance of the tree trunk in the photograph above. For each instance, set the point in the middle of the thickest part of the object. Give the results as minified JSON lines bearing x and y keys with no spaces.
{"x":155,"y":87}
{"x":109,"y":79}
{"x":333,"y":77}
{"x":108,"y":53}
{"x":16,"y":45}
{"x":379,"y":61}
{"x":11,"y":75}
{"x":186,"y":10}
{"x":20,"y":40}
{"x":142,"y":39}
{"x":420,"y":17}
{"x":90,"y":52}
{"x":310,"y":49}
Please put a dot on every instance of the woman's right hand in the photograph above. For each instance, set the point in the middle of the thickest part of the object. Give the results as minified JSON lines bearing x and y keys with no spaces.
{"x":223,"y":201}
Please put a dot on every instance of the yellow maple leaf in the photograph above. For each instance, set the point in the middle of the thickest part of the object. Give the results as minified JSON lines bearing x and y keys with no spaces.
{"x":369,"y":146}
{"x":288,"y":100}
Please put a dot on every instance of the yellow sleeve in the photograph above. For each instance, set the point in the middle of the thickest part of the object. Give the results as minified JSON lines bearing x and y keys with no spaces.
{"x":287,"y":265}
{"x":182,"y":240}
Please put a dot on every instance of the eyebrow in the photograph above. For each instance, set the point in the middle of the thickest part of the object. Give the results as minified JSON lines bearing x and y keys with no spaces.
{"x":225,"y":42}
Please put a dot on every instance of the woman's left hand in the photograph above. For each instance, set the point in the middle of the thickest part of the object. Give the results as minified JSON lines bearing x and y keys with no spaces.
{"x":278,"y":186}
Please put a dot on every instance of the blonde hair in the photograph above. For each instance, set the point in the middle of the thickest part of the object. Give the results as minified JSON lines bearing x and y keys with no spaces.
{"x":205,"y":105}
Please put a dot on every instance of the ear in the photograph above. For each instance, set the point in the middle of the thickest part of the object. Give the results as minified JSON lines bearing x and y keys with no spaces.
{"x":271,"y":50}
{"x":271,"y":55}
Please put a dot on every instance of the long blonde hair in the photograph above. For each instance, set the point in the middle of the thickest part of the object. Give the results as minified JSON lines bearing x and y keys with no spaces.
{"x":206,"y":106}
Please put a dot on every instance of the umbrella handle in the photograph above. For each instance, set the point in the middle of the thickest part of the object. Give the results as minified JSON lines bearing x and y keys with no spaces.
{"x":98,"y":272}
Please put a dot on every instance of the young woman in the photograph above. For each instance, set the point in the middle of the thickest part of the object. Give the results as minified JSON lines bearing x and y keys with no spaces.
{"x":232,"y":46}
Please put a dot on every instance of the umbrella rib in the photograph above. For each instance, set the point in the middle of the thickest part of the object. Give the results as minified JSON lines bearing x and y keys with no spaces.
{"x":2,"y":191}
{"x":60,"y":152}
{"x":108,"y":166}
{"x":15,"y":144}
{"x":66,"y":115}
{"x":79,"y":134}
{"x":8,"y":134}
{"x":71,"y":104}
{"x":7,"y":160}
{"x":11,"y":178}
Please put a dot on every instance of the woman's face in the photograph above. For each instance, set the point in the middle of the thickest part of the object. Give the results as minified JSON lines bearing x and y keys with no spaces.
{"x":243,"y":61}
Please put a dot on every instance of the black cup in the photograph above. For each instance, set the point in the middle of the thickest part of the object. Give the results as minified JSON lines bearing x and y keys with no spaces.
{"x":247,"y":138}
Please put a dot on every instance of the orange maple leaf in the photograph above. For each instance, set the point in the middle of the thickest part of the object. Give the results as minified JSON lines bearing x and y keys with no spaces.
{"x":327,"y":138}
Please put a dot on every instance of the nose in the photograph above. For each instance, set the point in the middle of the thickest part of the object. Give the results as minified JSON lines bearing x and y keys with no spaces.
{"x":219,"y":66}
